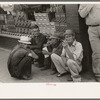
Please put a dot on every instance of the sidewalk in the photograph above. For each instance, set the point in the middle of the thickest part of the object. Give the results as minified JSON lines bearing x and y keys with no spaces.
{"x":37,"y":74}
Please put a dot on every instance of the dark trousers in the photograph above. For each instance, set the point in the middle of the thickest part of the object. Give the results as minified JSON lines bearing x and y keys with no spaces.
{"x":47,"y":62}
{"x":23,"y":68}
{"x":53,"y":66}
{"x":41,"y":59}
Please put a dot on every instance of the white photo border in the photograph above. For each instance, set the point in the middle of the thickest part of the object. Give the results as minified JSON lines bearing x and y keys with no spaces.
{"x":89,"y":90}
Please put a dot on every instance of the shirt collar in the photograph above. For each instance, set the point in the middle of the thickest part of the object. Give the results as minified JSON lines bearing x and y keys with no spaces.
{"x":74,"y":43}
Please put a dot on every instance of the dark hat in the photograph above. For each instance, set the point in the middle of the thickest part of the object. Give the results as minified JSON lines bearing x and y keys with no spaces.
{"x":57,"y":35}
{"x":34,"y":26}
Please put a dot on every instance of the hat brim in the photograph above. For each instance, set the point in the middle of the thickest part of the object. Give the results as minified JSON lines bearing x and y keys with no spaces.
{"x":53,"y":37}
{"x":24,"y":42}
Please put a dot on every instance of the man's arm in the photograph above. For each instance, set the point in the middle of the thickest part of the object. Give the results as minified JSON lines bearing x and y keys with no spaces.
{"x":78,"y":52}
{"x":35,"y":56}
{"x":84,"y":9}
{"x":46,"y":52}
{"x":32,"y":54}
{"x":66,"y":50}
{"x":40,"y":44}
{"x":63,"y":56}
{"x":69,"y":53}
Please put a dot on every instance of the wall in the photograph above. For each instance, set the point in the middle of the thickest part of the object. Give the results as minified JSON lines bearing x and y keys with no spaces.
{"x":73,"y":18}
{"x":7,"y":42}
{"x":74,"y":21}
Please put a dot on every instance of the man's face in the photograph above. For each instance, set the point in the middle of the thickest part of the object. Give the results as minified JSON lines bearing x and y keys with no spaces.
{"x":35,"y":31}
{"x":53,"y":41}
{"x":24,"y":45}
{"x":69,"y":38}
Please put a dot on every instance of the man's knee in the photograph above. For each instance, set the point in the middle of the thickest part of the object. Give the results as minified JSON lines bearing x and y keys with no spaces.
{"x":70,"y":62}
{"x":54,"y":56}
{"x":72,"y":65}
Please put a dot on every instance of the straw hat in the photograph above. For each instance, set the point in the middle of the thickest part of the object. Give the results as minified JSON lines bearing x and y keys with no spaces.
{"x":25,"y":40}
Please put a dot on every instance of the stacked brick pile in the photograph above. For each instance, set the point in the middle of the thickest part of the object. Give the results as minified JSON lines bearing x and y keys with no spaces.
{"x":60,"y":17}
{"x":43,"y":21}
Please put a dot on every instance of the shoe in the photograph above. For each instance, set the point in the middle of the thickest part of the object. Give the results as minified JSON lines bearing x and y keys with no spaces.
{"x":71,"y":80}
{"x":59,"y":75}
{"x":97,"y":79}
{"x":26,"y":77}
{"x":44,"y":68}
{"x":54,"y":72}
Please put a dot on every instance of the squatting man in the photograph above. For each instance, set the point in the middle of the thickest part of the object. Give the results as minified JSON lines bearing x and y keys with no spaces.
{"x":71,"y":57}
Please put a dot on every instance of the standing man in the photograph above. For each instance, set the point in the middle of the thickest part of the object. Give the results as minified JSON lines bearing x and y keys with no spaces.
{"x":91,"y":12}
{"x":38,"y":39}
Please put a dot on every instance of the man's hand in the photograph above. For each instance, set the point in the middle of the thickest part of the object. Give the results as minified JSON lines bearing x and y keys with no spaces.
{"x":45,"y":52}
{"x":30,"y":54}
{"x":33,"y":55}
{"x":65,"y":44}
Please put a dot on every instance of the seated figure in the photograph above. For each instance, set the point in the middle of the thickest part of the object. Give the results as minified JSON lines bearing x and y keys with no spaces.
{"x":71,"y":57}
{"x":20,"y":59}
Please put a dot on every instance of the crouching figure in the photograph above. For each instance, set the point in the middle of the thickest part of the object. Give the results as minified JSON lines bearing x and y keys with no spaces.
{"x":20,"y":59}
{"x":71,"y":57}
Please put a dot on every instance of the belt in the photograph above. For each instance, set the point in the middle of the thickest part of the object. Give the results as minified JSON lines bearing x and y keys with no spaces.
{"x":93,"y":25}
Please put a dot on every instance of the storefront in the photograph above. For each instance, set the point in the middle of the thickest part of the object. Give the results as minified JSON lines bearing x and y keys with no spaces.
{"x":49,"y":18}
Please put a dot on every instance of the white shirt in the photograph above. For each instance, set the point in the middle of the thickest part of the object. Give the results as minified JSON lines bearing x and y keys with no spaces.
{"x":45,"y":48}
{"x":91,"y":12}
{"x":76,"y":49}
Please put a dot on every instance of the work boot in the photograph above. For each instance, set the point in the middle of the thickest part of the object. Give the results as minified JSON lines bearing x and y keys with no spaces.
{"x":25,"y":77}
{"x":97,"y":79}
{"x":76,"y":78}
{"x":54,"y":72}
{"x":60,"y":75}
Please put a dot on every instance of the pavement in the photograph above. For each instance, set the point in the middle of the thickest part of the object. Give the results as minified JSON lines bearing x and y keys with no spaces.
{"x":37,"y":75}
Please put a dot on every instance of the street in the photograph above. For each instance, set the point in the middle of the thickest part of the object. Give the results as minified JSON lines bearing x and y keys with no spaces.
{"x":37,"y":74}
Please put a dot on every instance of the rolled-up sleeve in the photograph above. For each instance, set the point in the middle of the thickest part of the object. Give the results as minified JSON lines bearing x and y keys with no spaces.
{"x":84,"y":9}
{"x":78,"y":51}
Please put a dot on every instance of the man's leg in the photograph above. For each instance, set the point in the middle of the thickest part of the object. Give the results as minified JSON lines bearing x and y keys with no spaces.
{"x":25,"y":66}
{"x":58,"y":63}
{"x":94,"y":37}
{"x":40,"y":60}
{"x":53,"y":68}
{"x":47,"y":63}
{"x":74,"y":69}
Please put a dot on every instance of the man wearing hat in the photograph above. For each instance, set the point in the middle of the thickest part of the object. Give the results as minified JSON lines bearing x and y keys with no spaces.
{"x":71,"y":57}
{"x":55,"y":41}
{"x":20,"y":58}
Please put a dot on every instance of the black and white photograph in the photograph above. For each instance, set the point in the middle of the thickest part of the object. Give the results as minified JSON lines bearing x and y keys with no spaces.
{"x":49,"y":43}
{"x":49,"y":50}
